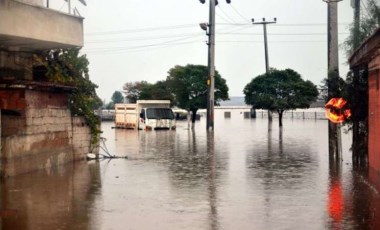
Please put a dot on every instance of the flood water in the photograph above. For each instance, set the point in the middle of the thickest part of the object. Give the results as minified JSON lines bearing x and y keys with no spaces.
{"x":246,"y":174}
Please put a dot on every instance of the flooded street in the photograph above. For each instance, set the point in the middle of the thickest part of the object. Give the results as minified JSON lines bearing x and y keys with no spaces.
{"x":246,"y":175}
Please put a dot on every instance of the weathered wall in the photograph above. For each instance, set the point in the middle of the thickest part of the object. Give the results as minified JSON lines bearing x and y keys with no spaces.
{"x":81,"y":138}
{"x":16,"y":66}
{"x":38,"y":131}
{"x":33,"y":2}
{"x":374,"y":114}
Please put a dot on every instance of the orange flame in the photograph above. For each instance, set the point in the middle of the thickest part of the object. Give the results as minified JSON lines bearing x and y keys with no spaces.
{"x":335,"y":110}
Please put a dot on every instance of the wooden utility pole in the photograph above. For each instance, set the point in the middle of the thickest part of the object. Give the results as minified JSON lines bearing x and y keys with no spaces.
{"x":264,"y":23}
{"x":333,"y":68}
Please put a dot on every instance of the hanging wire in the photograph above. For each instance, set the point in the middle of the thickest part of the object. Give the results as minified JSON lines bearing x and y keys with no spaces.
{"x":236,"y":11}
{"x":230,"y":19}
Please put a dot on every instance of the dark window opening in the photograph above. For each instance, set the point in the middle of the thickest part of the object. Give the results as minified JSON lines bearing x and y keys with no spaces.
{"x":159,"y":113}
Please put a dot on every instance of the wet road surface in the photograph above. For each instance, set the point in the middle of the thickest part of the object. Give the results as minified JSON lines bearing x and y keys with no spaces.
{"x":246,"y":175}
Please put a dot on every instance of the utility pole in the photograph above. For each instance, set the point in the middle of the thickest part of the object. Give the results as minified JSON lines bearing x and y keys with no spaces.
{"x":356,"y":6}
{"x":333,"y":68}
{"x":264,"y":23}
{"x":69,"y":5}
{"x":211,"y":64}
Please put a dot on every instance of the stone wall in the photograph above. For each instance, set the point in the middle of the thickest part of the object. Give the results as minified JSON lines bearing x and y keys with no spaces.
{"x":40,"y":133}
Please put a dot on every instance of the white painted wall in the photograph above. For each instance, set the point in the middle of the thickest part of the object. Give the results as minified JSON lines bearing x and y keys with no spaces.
{"x":33,"y":2}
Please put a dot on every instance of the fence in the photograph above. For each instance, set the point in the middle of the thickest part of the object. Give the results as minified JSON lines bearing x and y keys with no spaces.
{"x":315,"y":115}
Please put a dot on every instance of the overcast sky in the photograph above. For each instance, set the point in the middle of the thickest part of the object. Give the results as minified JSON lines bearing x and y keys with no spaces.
{"x":134,"y":40}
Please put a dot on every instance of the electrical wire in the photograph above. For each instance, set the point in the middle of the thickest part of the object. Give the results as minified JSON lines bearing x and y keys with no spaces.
{"x":151,"y":29}
{"x":141,"y":30}
{"x":143,"y":46}
{"x":185,"y":36}
{"x":182,"y":39}
{"x":290,"y":24}
{"x":221,"y":9}
{"x":144,"y":38}
{"x":236,"y":11}
{"x":281,"y":41}
{"x":280,"y":34}
{"x":137,"y":48}
{"x":366,"y":8}
{"x":222,"y":17}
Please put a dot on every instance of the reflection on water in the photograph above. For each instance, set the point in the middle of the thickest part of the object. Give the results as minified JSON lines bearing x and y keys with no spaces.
{"x":335,"y":202}
{"x":248,"y":174}
{"x":58,"y":199}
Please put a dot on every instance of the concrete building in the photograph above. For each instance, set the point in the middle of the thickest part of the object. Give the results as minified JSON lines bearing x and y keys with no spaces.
{"x":37,"y":129}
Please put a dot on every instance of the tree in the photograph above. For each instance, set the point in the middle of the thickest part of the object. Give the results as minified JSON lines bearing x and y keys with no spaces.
{"x":370,"y":21}
{"x":189,"y":86}
{"x":158,"y":91}
{"x":142,"y":90}
{"x":132,"y":90}
{"x":335,"y":84}
{"x":117,"y":97}
{"x":280,"y":90}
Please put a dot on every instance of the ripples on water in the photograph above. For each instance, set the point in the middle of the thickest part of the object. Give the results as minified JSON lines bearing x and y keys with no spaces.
{"x":246,"y":175}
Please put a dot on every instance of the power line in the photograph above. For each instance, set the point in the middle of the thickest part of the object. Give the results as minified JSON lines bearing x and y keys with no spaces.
{"x":137,"y":48}
{"x":223,"y":18}
{"x":231,"y":19}
{"x":289,"y":24}
{"x":145,"y":38}
{"x":279,"y":34}
{"x":179,"y":37}
{"x":148,"y":29}
{"x":113,"y":50}
{"x":233,"y":33}
{"x":366,"y":9}
{"x":283,"y":41}
{"x":236,"y":11}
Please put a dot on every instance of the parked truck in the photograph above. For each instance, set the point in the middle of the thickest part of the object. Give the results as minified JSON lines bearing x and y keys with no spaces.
{"x":145,"y":115}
